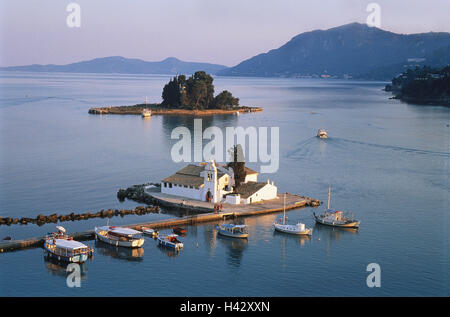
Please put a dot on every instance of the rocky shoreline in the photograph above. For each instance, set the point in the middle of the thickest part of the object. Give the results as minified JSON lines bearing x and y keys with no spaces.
{"x":158,"y":110}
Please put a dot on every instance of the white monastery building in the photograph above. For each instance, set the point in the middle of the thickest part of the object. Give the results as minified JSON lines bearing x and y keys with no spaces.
{"x":214,"y":183}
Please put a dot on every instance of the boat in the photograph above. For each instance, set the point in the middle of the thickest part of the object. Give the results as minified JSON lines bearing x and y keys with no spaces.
{"x":298,"y":229}
{"x":179,"y":231}
{"x":336,"y":218}
{"x":322,"y":134}
{"x":150,"y":232}
{"x":120,"y":237}
{"x":232,"y":230}
{"x":146,"y":113}
{"x":170,"y":241}
{"x":61,"y":247}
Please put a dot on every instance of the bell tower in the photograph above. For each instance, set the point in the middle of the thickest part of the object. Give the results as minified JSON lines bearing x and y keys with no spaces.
{"x":210,"y":182}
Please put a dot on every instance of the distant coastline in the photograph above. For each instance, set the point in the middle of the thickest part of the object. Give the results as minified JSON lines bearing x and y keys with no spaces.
{"x":157,"y":109}
{"x":427,"y":86}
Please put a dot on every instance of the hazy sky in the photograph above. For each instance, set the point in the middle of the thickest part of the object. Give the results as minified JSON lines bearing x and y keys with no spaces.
{"x":217,"y":31}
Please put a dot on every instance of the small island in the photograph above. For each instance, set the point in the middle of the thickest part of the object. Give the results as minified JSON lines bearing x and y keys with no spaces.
{"x":186,"y":96}
{"x":422,"y":86}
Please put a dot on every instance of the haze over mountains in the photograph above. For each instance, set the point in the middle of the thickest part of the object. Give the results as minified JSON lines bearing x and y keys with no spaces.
{"x":351,"y":51}
{"x":122,"y":65}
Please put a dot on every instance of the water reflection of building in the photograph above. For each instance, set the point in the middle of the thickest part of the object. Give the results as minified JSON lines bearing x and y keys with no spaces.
{"x":129,"y":254}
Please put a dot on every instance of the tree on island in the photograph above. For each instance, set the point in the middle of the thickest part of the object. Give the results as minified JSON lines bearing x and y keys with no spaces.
{"x":196,"y":92}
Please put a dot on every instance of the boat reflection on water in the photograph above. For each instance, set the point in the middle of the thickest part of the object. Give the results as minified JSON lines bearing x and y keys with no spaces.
{"x":299,"y":239}
{"x":334,"y":233}
{"x":235,"y":248}
{"x":169,"y":252}
{"x":129,"y":254}
{"x":58,"y":268}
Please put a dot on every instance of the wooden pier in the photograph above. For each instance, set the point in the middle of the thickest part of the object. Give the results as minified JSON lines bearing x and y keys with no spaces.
{"x":205,"y":209}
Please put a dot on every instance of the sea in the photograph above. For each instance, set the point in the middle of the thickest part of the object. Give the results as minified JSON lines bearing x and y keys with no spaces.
{"x":385,"y":161}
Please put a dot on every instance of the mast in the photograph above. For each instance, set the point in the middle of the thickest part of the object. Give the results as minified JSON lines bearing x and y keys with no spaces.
{"x":329,"y":194}
{"x":284,"y":209}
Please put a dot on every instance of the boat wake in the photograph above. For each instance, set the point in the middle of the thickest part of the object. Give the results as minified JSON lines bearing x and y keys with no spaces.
{"x":341,"y":141}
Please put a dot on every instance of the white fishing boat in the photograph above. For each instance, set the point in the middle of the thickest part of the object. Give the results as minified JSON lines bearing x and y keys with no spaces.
{"x":150,"y":232}
{"x":146,"y":113}
{"x":118,"y":236}
{"x":231,"y":230}
{"x":170,"y":241}
{"x":299,"y":228}
{"x":321,"y":133}
{"x":336,"y":218}
{"x":63,"y":248}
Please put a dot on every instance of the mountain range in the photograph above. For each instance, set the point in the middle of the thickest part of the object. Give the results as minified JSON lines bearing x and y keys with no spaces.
{"x":119,"y":64}
{"x":355,"y":50}
{"x":351,"y":51}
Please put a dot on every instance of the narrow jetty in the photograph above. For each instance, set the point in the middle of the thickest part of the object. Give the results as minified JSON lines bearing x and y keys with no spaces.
{"x":204,"y":212}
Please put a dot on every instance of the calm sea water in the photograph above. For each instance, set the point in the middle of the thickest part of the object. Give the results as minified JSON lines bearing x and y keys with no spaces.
{"x":386,"y":161}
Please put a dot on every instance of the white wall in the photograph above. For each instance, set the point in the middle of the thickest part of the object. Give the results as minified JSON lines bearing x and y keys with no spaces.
{"x":268,"y":192}
{"x":183,"y":191}
{"x":233,"y":199}
{"x":251,"y":178}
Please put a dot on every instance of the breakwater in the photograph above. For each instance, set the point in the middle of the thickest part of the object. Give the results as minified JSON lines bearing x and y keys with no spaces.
{"x":54,"y":218}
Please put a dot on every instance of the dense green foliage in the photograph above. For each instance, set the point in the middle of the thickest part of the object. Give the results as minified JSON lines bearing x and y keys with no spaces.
{"x":238,"y":165}
{"x":196,"y":92}
{"x":425,"y":84}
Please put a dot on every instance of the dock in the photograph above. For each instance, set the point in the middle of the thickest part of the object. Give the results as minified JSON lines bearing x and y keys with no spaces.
{"x":204,"y":213}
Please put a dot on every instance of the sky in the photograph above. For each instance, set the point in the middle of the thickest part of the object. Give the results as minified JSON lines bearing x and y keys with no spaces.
{"x":215,"y":31}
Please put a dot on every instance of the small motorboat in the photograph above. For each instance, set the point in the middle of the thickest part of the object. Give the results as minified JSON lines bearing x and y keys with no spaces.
{"x":146,"y":113}
{"x":336,"y":218}
{"x":150,"y":232}
{"x":178,"y":230}
{"x":298,"y":229}
{"x":118,"y":236}
{"x":232,"y":230}
{"x":170,"y":241}
{"x":59,"y":246}
{"x":322,"y":134}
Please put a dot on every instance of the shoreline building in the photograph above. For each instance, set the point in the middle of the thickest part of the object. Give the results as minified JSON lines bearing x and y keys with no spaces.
{"x":214,"y":183}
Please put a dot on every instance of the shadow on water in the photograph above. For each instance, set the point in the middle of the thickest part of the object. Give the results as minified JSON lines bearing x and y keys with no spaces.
{"x":120,"y":253}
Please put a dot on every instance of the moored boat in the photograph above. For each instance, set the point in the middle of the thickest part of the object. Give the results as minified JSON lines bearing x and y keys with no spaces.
{"x":170,"y":241}
{"x":179,"y":230}
{"x":150,"y":232}
{"x":321,"y":133}
{"x":298,"y":229}
{"x":336,"y":218}
{"x":146,"y":113}
{"x":118,"y":236}
{"x":232,"y":230}
{"x":63,"y":248}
